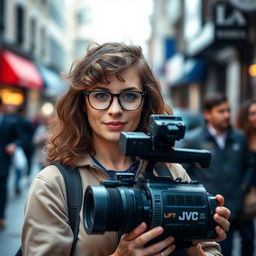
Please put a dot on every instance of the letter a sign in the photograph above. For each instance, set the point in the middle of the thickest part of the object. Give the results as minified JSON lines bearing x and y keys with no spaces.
{"x":230,"y":23}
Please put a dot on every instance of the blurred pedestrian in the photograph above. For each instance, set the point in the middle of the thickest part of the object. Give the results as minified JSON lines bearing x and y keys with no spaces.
{"x":246,"y":121}
{"x":10,"y":137}
{"x":230,"y":171}
{"x":40,"y":138}
{"x":28,"y":132}
{"x":18,"y":114}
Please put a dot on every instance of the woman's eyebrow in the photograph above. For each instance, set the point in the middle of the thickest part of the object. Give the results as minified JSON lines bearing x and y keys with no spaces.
{"x":101,"y":88}
{"x":132,"y":88}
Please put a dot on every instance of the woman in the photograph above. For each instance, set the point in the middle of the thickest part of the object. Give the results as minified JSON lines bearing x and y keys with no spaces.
{"x":246,"y":121}
{"x":112,"y":90}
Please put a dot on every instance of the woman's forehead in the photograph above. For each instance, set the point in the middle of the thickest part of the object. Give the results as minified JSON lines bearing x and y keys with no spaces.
{"x":126,"y":79}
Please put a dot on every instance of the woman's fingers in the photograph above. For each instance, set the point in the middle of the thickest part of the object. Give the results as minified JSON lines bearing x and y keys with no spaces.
{"x":221,"y":234}
{"x":135,"y":232}
{"x":165,"y":246}
{"x":223,"y":222}
{"x":221,"y":217}
{"x":223,"y":211}
{"x":220,"y":199}
{"x":135,"y":241}
{"x":148,"y":236}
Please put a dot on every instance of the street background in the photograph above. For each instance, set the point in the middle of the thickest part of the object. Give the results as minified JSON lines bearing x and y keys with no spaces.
{"x":194,"y":47}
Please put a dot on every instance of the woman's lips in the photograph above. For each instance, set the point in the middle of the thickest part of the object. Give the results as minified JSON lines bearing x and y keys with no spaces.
{"x":115,"y":125}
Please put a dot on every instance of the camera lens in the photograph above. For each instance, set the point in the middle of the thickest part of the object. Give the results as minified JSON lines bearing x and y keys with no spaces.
{"x":113,"y":209}
{"x":90,"y":213}
{"x":95,"y":209}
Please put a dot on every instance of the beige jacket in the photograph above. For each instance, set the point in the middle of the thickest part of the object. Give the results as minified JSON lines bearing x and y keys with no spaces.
{"x":46,"y":231}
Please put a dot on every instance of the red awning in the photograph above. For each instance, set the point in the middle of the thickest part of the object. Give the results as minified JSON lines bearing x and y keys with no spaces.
{"x":18,"y":71}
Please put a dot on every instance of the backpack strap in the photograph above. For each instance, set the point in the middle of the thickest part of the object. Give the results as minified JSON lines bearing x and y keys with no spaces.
{"x":74,"y":192}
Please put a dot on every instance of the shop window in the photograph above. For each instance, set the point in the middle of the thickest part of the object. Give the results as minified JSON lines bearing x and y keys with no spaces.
{"x":20,"y":24}
{"x":12,"y":96}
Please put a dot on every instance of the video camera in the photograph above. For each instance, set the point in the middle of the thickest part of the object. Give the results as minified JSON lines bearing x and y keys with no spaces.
{"x":184,"y":209}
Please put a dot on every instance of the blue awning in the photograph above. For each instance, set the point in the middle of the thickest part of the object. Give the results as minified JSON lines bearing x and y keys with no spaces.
{"x":53,"y":85}
{"x":182,"y":71}
{"x":194,"y":71}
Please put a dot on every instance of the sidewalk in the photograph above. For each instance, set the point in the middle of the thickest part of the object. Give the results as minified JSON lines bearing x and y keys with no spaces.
{"x":11,"y":235}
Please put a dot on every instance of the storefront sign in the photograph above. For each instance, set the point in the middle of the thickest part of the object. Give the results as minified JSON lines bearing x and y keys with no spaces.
{"x":244,"y":5}
{"x":230,"y":23}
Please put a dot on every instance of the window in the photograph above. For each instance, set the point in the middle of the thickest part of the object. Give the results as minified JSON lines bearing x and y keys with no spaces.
{"x":57,"y":54}
{"x":84,"y":16}
{"x":56,"y":12}
{"x":2,"y":15}
{"x":32,"y":34}
{"x":20,"y":24}
{"x":42,"y":41}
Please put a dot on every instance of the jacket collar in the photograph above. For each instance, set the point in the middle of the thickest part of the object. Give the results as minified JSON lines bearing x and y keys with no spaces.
{"x":230,"y":133}
{"x":86,"y":161}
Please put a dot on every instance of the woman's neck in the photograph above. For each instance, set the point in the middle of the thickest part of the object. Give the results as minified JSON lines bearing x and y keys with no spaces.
{"x":109,"y":155}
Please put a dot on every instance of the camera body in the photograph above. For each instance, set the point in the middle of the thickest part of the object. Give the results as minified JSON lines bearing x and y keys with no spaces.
{"x":184,"y":209}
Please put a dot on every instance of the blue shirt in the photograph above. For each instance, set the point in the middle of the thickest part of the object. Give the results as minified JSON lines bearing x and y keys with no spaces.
{"x":112,"y":173}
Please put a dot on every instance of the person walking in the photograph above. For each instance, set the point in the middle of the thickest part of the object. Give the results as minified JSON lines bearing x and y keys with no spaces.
{"x":10,"y":137}
{"x":28,"y":132}
{"x":230,"y":172}
{"x":246,"y":121}
{"x":18,"y":114}
{"x":40,"y":138}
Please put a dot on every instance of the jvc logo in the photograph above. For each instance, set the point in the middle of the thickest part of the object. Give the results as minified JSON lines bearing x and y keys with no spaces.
{"x":189,"y":216}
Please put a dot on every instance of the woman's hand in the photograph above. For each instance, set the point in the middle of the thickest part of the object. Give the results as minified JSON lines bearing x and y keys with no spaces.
{"x":132,"y":243}
{"x":221,"y":217}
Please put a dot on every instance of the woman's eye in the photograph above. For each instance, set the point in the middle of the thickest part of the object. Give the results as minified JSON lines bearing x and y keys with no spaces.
{"x":130,"y":96}
{"x":101,"y":95}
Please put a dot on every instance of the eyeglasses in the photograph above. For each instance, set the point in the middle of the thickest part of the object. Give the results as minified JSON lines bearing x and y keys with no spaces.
{"x":128,"y":100}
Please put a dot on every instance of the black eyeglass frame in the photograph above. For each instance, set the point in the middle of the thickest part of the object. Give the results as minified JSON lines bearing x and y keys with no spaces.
{"x":87,"y":93}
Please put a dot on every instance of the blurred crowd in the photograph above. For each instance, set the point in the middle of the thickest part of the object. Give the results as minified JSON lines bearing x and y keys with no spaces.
{"x":21,"y":145}
{"x":231,"y":172}
{"x":233,"y":164}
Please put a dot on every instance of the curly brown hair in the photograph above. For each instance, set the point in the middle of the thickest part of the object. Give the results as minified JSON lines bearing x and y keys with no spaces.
{"x":70,"y":132}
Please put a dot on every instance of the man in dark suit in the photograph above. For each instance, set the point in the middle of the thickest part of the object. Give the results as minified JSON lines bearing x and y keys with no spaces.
{"x":231,"y":170}
{"x":10,"y":137}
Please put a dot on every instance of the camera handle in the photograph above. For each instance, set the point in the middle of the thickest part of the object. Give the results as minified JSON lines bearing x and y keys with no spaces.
{"x":148,"y":173}
{"x":161,"y":169}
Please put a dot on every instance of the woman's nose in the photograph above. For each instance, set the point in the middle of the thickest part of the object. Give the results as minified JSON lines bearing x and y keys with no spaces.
{"x":115,"y":107}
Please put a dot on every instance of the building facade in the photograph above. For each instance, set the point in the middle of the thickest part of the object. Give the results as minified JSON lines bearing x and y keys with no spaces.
{"x":34,"y":49}
{"x":214,"y":51}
